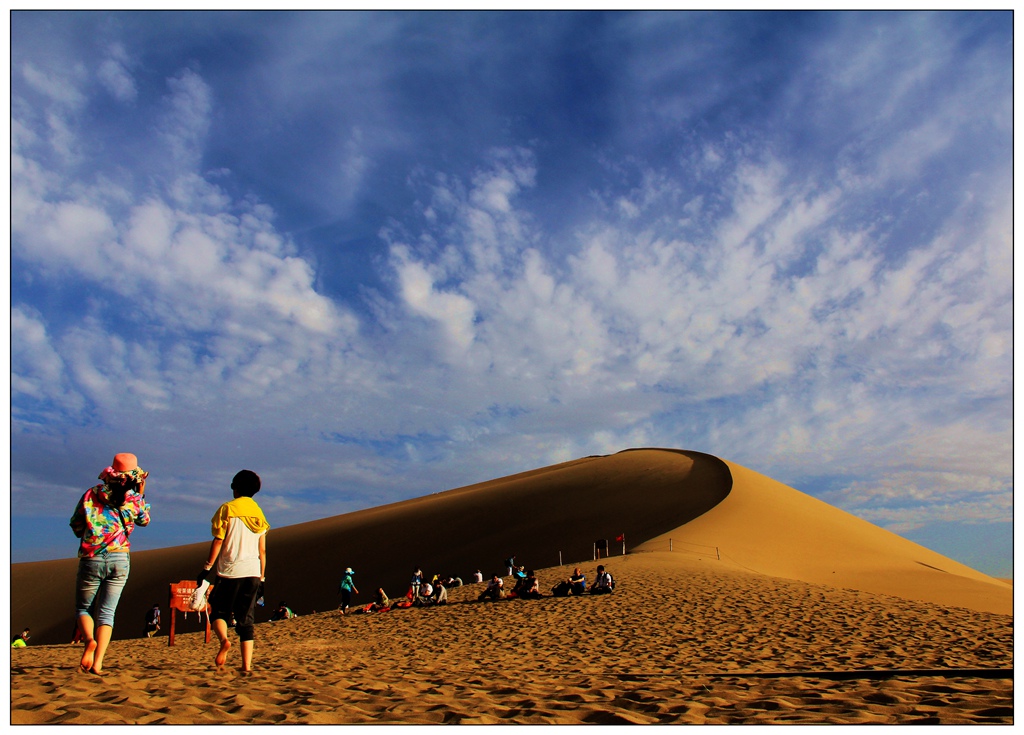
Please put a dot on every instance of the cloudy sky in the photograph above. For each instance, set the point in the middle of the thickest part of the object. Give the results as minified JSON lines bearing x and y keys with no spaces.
{"x":373,"y":256}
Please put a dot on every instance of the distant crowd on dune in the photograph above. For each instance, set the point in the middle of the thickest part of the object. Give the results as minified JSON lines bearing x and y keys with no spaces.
{"x":421,"y":593}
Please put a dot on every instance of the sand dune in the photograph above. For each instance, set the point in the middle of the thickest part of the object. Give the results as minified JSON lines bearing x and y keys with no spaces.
{"x":767,"y":527}
{"x":536,"y":515}
{"x":770,"y":607}
{"x":546,"y":516}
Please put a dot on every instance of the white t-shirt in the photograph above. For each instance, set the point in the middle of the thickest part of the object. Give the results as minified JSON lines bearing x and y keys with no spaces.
{"x":240,"y":554}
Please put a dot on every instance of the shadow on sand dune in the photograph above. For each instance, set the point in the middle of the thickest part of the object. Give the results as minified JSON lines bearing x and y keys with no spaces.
{"x":535,"y":515}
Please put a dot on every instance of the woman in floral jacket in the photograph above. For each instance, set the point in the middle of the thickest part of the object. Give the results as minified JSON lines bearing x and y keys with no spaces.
{"x":104,"y":519}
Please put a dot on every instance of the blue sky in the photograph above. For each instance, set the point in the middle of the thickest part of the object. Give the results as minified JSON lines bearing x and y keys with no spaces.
{"x":373,"y":256}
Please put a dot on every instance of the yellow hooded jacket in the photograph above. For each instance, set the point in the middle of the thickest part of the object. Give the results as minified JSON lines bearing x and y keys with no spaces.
{"x":239,"y":523}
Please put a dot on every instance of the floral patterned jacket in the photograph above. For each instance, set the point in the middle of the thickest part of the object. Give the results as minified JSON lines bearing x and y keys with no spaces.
{"x":103,"y":528}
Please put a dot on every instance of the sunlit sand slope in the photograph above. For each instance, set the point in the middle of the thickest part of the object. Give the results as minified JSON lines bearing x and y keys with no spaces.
{"x":542,"y":516}
{"x":768,"y":527}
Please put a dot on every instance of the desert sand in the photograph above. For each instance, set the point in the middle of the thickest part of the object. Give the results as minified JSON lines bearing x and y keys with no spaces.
{"x":770,"y":607}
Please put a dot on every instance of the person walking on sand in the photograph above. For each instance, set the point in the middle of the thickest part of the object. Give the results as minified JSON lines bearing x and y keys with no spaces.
{"x":347,"y":587}
{"x":104,"y":518}
{"x":239,"y":549}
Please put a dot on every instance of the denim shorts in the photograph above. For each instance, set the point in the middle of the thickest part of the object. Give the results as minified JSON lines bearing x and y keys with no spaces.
{"x":99,"y":584}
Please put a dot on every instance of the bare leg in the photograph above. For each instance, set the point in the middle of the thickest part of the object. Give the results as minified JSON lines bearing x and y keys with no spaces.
{"x":247,"y":647}
{"x":220,"y":627}
{"x":103,"y":634}
{"x":85,"y":627}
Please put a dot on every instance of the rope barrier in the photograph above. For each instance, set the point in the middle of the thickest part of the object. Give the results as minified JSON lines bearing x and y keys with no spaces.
{"x":707,"y":548}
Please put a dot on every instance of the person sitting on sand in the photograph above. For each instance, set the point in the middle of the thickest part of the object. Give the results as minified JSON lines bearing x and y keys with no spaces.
{"x":283,"y":612}
{"x":440,"y":593}
{"x":426,"y":595}
{"x":603,"y":584}
{"x":530,"y":587}
{"x":519,"y":577}
{"x":381,"y":602}
{"x":478,"y":577}
{"x":21,"y":641}
{"x":239,"y":549}
{"x":493,"y":589}
{"x":577,"y":582}
{"x":451,"y":581}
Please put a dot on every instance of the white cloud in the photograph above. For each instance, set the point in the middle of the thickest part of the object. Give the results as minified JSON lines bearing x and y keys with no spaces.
{"x":192,"y":261}
{"x":186,"y":120}
{"x":114,"y":75}
{"x":452,"y":311}
{"x":60,"y":89}
{"x":728,"y":302}
{"x":38,"y":371}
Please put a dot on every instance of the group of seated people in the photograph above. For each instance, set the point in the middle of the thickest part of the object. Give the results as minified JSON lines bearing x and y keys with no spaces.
{"x":424,"y":594}
{"x":576,"y":584}
{"x":431,"y":594}
{"x":448,"y":581}
{"x":283,"y":612}
{"x":527,"y":587}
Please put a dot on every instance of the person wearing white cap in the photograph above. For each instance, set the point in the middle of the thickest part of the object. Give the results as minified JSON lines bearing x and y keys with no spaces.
{"x":347,"y":587}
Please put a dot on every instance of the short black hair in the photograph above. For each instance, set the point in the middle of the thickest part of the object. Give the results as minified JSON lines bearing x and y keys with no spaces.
{"x":246,"y":483}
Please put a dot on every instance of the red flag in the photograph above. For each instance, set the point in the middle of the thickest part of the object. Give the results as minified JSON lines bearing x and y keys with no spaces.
{"x":621,"y":537}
